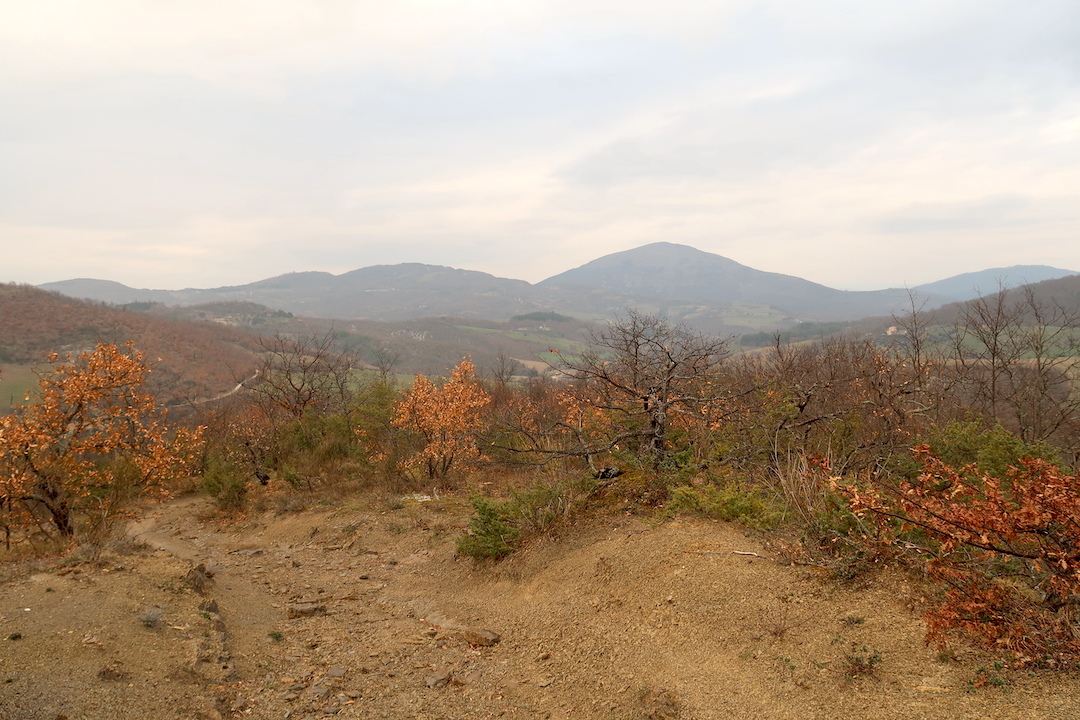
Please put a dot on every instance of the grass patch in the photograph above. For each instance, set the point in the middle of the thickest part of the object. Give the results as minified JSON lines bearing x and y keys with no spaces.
{"x":747,"y":506}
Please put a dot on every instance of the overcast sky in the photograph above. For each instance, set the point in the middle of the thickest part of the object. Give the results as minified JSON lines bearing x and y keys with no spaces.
{"x":214,"y":142}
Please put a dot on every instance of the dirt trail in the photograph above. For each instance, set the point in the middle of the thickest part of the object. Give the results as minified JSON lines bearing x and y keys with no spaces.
{"x":365,"y":613}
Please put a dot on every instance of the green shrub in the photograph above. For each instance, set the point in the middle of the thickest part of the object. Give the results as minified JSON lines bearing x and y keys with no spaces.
{"x":992,"y":450}
{"x":747,"y":506}
{"x":491,"y":535}
{"x":224,"y":481}
{"x":497,"y":529}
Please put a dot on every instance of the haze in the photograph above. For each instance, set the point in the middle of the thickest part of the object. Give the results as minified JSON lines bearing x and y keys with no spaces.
{"x":860,"y":145}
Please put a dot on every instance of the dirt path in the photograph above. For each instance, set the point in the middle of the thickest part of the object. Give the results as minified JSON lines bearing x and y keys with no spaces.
{"x":365,"y":613}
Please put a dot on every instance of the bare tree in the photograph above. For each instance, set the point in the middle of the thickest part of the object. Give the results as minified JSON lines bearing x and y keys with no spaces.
{"x":305,"y":373}
{"x":645,"y":369}
{"x":1015,"y":358}
{"x":384,"y":359}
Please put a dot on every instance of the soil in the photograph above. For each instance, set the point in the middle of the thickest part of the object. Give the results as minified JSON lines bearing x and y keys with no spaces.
{"x":363,"y":611}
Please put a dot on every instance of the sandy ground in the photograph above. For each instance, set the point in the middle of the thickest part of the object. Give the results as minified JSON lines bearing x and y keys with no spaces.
{"x":363,"y":611}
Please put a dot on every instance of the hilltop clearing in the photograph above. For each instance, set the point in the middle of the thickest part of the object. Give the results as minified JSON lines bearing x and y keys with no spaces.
{"x":363,"y":611}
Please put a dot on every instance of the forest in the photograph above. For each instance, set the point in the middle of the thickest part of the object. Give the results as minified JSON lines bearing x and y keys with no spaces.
{"x":949,"y":448}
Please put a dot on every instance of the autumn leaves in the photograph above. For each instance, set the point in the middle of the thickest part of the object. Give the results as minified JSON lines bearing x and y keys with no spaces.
{"x":447,"y":417}
{"x":93,"y":439}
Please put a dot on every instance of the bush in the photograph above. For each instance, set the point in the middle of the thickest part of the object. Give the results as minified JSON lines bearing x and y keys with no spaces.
{"x":991,"y":450}
{"x":491,"y":536}
{"x":1007,"y":548}
{"x":224,"y":481}
{"x":497,"y":529}
{"x":726,"y":503}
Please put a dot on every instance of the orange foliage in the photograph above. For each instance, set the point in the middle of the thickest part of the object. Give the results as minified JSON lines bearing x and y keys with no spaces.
{"x":447,"y":417}
{"x":1007,"y":548}
{"x":92,"y":439}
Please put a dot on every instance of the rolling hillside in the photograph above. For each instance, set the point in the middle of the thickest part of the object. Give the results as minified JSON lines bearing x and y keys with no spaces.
{"x":206,"y":349}
{"x":189,"y":360}
{"x":713,"y":293}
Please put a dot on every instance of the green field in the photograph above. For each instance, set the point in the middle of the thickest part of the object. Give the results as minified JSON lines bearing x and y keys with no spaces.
{"x":15,"y":381}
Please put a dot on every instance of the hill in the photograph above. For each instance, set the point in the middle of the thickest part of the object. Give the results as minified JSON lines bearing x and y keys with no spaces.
{"x":205,"y":349}
{"x":667,"y":270}
{"x":1060,"y":295}
{"x":189,"y":359}
{"x":626,"y":618}
{"x":713,"y":293}
{"x":969,"y":286}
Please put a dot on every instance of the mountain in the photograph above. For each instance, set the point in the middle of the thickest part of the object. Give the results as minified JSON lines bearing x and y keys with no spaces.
{"x":667,"y":270}
{"x":969,"y":286}
{"x":708,"y":291}
{"x":381,"y":292}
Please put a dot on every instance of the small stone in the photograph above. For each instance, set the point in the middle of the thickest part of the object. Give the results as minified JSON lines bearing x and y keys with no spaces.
{"x":299,"y":610}
{"x":439,"y":678}
{"x":470,"y":678}
{"x":336,"y":672}
{"x":112,"y":672}
{"x":545,"y":682}
{"x":197,"y":577}
{"x":483,"y":638}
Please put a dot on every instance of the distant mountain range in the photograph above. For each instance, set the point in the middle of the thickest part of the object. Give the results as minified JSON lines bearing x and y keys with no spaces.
{"x":969,"y":286}
{"x":709,"y":291}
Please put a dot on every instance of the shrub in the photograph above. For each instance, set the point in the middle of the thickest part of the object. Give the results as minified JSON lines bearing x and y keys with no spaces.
{"x":991,"y":450}
{"x":1006,"y":548}
{"x":491,"y":535}
{"x":224,"y":481}
{"x":497,"y":529}
{"x":726,"y":503}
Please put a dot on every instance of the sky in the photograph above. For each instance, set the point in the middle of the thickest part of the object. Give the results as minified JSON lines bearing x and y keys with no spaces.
{"x":857,"y":144}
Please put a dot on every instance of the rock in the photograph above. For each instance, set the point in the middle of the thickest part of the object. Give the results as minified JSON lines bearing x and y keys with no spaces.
{"x":336,"y":672}
{"x":469,"y":678}
{"x":197,"y":577}
{"x":439,"y":678}
{"x":112,"y":672}
{"x":299,"y":610}
{"x":483,"y":638}
{"x":661,"y":705}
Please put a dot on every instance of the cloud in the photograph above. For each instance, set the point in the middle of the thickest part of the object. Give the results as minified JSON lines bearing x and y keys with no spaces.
{"x":986,"y":213}
{"x":529,"y":136}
